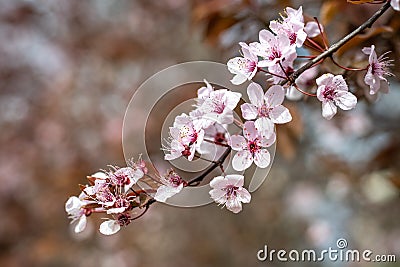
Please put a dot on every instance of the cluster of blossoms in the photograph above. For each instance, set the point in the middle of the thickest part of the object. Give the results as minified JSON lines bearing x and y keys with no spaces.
{"x":275,"y":55}
{"x":203,"y":133}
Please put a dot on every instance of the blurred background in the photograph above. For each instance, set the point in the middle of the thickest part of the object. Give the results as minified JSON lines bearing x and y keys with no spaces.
{"x":67,"y":72}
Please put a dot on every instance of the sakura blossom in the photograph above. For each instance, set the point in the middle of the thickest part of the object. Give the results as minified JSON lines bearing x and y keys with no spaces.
{"x":395,"y":4}
{"x":251,"y":148}
{"x":244,"y":68}
{"x":333,"y":91}
{"x":228,"y":191}
{"x":215,"y":137}
{"x":219,"y":106}
{"x":172,"y":185}
{"x":377,"y":70}
{"x":292,"y":26}
{"x":266,"y":108}
{"x":274,"y":49}
{"x":185,"y":136}
{"x":111,"y":227}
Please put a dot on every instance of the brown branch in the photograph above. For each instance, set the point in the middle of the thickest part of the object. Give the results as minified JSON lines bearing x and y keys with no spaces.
{"x":339,"y":44}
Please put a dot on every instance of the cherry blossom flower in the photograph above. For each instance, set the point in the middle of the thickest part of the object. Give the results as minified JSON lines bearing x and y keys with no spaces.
{"x":251,"y":148}
{"x":273,"y":49}
{"x":172,"y":185}
{"x":267,"y":108}
{"x":292,"y":26}
{"x":333,"y":91}
{"x":229,"y":191}
{"x":185,"y":137}
{"x":126,"y":177}
{"x":219,"y":106}
{"x":377,"y":70}
{"x":244,"y":67}
{"x":395,"y":4}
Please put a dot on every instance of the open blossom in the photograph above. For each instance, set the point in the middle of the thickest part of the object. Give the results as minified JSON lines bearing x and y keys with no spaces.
{"x":273,"y":49}
{"x":244,"y":67}
{"x":377,"y":70}
{"x":229,"y":191}
{"x":185,"y":137}
{"x":395,"y":4}
{"x":172,"y":185}
{"x":267,"y":108}
{"x":292,"y":26}
{"x":219,"y":106}
{"x":251,"y":148}
{"x":333,"y":91}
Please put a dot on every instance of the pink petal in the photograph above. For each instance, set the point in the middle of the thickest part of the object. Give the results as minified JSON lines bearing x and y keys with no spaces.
{"x":244,"y":195}
{"x":395,"y":4}
{"x":274,"y":96}
{"x":262,"y":158}
{"x":312,"y":29}
{"x":267,"y":142}
{"x":265,"y":127}
{"x":266,"y":36}
{"x":235,"y":179}
{"x":345,"y":100}
{"x":237,"y":142}
{"x":219,"y":182}
{"x":255,"y":93}
{"x":340,"y":83}
{"x":242,"y":160}
{"x":109,"y":227}
{"x":328,"y":110}
{"x":249,"y":111}
{"x":280,"y":114}
{"x":249,"y":130}
{"x":234,"y":205}
{"x":324,"y":79}
{"x":218,"y":196}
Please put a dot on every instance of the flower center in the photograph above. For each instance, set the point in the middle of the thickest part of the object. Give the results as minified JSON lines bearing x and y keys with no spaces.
{"x":253,"y":146}
{"x":292,"y":38}
{"x":231,"y":191}
{"x":219,"y":137}
{"x":329,"y":93}
{"x":275,"y":53}
{"x":264,"y":111}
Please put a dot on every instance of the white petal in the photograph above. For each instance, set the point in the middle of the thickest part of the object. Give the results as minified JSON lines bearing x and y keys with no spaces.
{"x":265,"y":127}
{"x":395,"y":4}
{"x":81,"y":225}
{"x":234,"y":205}
{"x":235,"y":179}
{"x":219,"y":182}
{"x":232,"y":99}
{"x":164,"y":192}
{"x":312,"y":29}
{"x":328,"y":109}
{"x":250,"y":131}
{"x":249,"y":111}
{"x":255,"y":93}
{"x":73,"y":205}
{"x":109,"y":227}
{"x":280,"y":114}
{"x":274,"y":96}
{"x":345,"y":100}
{"x":244,"y":195}
{"x":262,"y":158}
{"x":218,"y":195}
{"x":237,"y":142}
{"x":242,"y":160}
{"x":238,"y":79}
